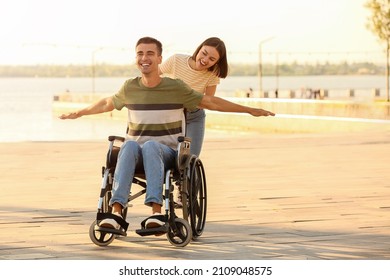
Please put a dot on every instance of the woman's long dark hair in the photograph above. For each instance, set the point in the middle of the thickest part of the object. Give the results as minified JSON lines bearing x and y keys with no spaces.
{"x":221,"y":67}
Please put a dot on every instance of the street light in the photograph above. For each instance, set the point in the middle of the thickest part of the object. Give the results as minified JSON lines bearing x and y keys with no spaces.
{"x":93,"y":70}
{"x":261,"y":94}
{"x":277,"y":71}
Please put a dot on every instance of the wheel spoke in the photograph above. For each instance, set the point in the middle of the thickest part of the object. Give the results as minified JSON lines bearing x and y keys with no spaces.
{"x":197,"y":197}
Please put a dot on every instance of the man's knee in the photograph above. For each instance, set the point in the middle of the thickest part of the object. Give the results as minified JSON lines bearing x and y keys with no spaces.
{"x":151,"y":146}
{"x":129,"y":149}
{"x":130,"y":146}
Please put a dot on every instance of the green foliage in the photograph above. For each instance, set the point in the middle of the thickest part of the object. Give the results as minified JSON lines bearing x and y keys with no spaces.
{"x":379,"y":22}
{"x":238,"y":69}
{"x":295,"y":69}
{"x":101,"y":70}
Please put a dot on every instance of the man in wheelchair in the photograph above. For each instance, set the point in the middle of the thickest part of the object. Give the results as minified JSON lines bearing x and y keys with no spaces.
{"x":155,"y":121}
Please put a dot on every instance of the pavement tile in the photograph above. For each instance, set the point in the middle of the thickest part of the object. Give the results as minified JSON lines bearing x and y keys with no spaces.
{"x":270,"y":196}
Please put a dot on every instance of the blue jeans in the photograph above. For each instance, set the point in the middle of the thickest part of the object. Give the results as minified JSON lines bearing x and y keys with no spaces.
{"x":154,"y":158}
{"x":195,"y":126}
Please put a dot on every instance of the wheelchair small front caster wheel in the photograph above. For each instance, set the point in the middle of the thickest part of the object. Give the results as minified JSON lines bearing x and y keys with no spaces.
{"x":181,"y":234}
{"x":98,"y":237}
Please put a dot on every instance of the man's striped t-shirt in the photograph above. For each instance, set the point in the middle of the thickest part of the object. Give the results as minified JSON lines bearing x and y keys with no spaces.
{"x":156,"y":113}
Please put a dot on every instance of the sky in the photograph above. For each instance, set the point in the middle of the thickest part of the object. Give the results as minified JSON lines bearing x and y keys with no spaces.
{"x":97,"y":31}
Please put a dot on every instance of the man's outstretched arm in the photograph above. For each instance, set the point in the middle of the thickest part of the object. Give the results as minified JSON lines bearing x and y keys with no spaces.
{"x":218,"y":104}
{"x":101,"y":106}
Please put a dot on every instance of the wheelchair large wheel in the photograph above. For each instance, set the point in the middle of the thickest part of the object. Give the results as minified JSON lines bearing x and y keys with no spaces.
{"x":197,"y":197}
{"x":181,"y":234}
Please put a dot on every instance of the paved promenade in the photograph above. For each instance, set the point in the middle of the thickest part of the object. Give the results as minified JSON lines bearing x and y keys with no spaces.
{"x":270,"y":197}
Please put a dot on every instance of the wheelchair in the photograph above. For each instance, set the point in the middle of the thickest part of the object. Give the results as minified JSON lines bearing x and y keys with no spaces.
{"x":188,"y":175}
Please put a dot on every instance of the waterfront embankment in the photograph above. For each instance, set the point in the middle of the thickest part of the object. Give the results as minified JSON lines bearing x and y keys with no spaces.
{"x":292,"y":115}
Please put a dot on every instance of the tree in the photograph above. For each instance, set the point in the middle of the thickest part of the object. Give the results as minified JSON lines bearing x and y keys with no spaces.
{"x":379,"y":23}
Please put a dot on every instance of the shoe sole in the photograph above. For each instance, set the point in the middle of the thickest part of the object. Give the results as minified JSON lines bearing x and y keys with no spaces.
{"x":154,"y":224}
{"x":109,"y":225}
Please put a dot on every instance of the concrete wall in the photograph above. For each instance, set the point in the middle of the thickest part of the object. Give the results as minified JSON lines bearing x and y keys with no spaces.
{"x":348,"y":109}
{"x":292,"y":115}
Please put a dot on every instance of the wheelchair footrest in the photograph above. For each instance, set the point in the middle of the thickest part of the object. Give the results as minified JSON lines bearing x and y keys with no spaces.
{"x":101,"y":216}
{"x":153,"y":231}
{"x":111,"y":230}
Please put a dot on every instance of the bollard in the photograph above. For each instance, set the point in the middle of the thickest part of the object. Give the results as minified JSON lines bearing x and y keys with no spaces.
{"x":292,"y":94}
{"x":324,"y":93}
{"x":265,"y":94}
{"x":351,"y":93}
{"x":376,"y":92}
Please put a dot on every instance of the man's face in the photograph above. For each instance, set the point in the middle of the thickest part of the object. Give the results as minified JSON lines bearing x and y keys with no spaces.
{"x":147,"y":58}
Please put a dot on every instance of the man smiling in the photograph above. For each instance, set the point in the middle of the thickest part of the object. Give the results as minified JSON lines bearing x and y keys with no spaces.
{"x":155,"y":120}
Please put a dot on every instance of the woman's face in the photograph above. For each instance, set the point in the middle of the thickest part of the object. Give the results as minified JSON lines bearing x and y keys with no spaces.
{"x":206,"y":58}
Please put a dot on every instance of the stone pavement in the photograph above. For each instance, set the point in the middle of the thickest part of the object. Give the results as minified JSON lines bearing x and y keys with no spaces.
{"x":270,"y":196}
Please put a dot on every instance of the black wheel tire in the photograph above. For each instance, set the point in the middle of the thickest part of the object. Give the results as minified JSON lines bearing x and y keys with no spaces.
{"x":197,"y":199}
{"x":100,"y":238}
{"x":182,"y":235}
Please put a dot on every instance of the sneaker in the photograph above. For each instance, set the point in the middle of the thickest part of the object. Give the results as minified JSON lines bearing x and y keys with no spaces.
{"x":110,"y":223}
{"x":155,"y":221}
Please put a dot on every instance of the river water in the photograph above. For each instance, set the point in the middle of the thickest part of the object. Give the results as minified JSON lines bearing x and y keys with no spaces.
{"x":26,"y":114}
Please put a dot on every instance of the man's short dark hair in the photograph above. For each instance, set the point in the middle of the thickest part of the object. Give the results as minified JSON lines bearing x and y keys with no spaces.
{"x":150,"y":40}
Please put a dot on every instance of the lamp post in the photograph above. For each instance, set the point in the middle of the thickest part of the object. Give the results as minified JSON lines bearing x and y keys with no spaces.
{"x":277,"y":71}
{"x":261,"y":94}
{"x":93,"y":70}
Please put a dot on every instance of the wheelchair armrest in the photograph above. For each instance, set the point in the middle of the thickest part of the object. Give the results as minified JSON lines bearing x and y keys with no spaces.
{"x":183,"y":139}
{"x":183,"y":151}
{"x":113,"y":138}
{"x":113,"y":151}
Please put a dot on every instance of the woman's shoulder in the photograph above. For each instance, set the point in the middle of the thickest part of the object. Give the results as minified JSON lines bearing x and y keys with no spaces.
{"x":181,"y":55}
{"x":178,"y":57}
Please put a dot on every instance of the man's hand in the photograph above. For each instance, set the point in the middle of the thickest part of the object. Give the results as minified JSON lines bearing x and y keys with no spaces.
{"x":260,"y":113}
{"x":101,"y":106}
{"x":73,"y":115}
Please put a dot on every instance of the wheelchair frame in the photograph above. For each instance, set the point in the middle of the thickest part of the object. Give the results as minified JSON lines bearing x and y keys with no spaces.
{"x":188,"y":174}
